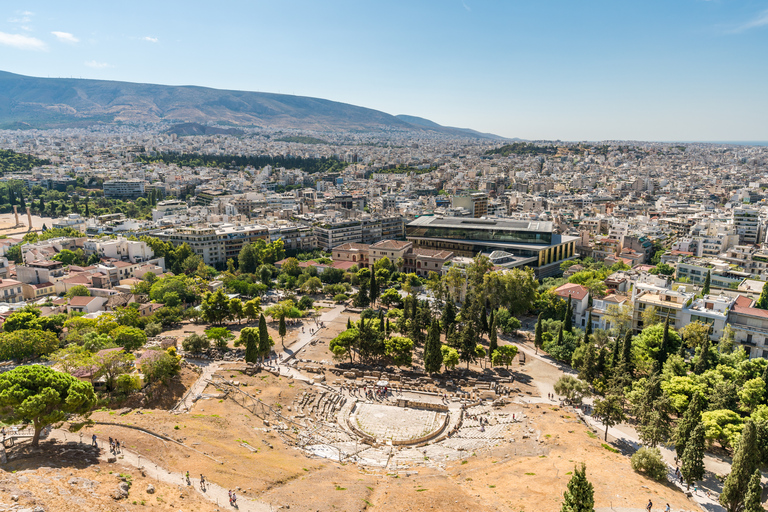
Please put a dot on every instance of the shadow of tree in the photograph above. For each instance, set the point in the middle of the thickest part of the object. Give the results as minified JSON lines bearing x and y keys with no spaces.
{"x":51,"y":453}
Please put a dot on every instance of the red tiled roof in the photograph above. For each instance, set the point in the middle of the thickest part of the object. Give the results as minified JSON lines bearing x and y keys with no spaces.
{"x":576,"y":291}
{"x":80,"y":301}
{"x":743,"y":306}
{"x":391,"y":244}
{"x":350,"y":246}
{"x":343,"y":265}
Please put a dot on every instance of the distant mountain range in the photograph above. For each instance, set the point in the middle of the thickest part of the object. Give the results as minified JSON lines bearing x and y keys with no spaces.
{"x":31,"y":102}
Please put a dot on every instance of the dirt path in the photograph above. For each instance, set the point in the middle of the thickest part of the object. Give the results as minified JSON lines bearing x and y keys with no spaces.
{"x":185,"y":404}
{"x":304,"y":338}
{"x":213,"y":493}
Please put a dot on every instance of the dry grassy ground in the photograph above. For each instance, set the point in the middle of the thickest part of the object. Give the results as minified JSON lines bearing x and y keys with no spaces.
{"x":519,"y":475}
{"x":44,"y":478}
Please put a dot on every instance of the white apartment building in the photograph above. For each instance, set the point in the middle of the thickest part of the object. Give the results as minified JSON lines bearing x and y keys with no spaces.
{"x":73,"y":221}
{"x":124,"y":188}
{"x":748,"y":225}
{"x":216,"y":244}
{"x":169,"y":208}
{"x":120,"y":249}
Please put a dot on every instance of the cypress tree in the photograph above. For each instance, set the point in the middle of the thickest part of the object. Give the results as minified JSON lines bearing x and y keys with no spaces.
{"x":538,"y":341}
{"x":692,"y":466}
{"x":492,"y":341}
{"x":691,"y":418}
{"x":661,"y":357}
{"x":615,"y":355}
{"x":762,"y":302}
{"x":250,"y":336}
{"x":600,"y":365}
{"x":468,"y":344}
{"x":681,"y":350}
{"x":703,"y":362}
{"x":588,"y":330}
{"x":349,"y":323}
{"x":580,"y":496}
{"x":707,"y":283}
{"x":765,"y":378}
{"x":626,"y":355}
{"x":568,"y":320}
{"x":373,"y":288}
{"x":448,"y":317}
{"x":484,"y":321}
{"x":281,"y":330}
{"x":560,"y":336}
{"x":753,"y":499}
{"x":433,"y":356}
{"x":744,"y":464}
{"x":388,"y":330}
{"x":381,"y":323}
{"x":264,"y":345}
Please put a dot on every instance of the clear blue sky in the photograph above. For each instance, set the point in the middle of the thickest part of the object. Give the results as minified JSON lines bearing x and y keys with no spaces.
{"x":554,"y":69}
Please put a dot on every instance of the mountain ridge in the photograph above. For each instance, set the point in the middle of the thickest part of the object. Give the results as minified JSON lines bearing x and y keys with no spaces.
{"x":33,"y":102}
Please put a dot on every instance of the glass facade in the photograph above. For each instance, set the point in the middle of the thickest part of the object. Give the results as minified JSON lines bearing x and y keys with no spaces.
{"x":484,"y":235}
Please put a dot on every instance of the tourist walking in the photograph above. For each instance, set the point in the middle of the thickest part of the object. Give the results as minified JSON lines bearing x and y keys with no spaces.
{"x":93,"y":441}
{"x":202,"y":482}
{"x":649,"y":506}
{"x":189,"y":482}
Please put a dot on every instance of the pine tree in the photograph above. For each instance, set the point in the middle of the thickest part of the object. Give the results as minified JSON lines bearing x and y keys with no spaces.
{"x":538,"y":341}
{"x":433,"y":356}
{"x":707,"y":282}
{"x":692,"y":466}
{"x":493,"y":343}
{"x":568,"y":320}
{"x":753,"y":499}
{"x":580,"y":496}
{"x":762,"y":302}
{"x":744,"y":464}
{"x":691,"y":418}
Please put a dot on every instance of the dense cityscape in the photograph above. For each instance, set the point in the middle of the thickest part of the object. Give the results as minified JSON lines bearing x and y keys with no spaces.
{"x":402,"y":256}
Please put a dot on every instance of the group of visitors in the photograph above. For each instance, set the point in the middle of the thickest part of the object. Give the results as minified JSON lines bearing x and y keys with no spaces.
{"x":114,"y":446}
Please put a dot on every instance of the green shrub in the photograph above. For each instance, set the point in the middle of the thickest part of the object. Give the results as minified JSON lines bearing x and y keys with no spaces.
{"x":305,"y":303}
{"x":196,"y":343}
{"x":649,"y":461}
{"x":340,"y":298}
{"x":153,"y":329}
{"x":127,"y":384}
